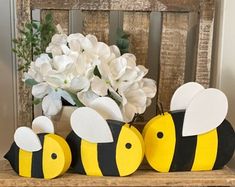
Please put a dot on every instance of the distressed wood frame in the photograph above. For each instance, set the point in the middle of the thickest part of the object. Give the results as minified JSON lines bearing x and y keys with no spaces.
{"x":173,"y":12}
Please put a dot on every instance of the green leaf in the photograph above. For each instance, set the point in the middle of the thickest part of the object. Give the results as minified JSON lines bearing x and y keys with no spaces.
{"x":75,"y":99}
{"x":31,"y":82}
{"x":97,"y":72}
{"x":37,"y":101}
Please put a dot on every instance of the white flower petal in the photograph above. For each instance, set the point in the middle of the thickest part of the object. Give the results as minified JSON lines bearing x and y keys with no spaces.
{"x":136,"y":97}
{"x":128,"y":112}
{"x":115,"y":50}
{"x":55,"y":80}
{"x":51,"y":104}
{"x":59,"y":39}
{"x":87,"y":97}
{"x":60,"y":62}
{"x":129,"y":75}
{"x":99,"y":86}
{"x":79,"y":84}
{"x":131,"y":60}
{"x":141,"y":71}
{"x":118,"y":67}
{"x":40,"y":90}
{"x":66,"y":96}
{"x":102,"y":50}
{"x":149,"y":87}
{"x":92,"y":39}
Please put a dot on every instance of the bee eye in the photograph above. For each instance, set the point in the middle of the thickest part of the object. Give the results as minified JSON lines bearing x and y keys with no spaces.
{"x":160,"y":135}
{"x":128,"y":145}
{"x":53,"y":156}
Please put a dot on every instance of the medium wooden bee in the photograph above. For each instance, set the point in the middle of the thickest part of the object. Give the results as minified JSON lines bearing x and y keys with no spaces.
{"x":43,"y":155}
{"x":194,"y":136}
{"x":101,"y":144}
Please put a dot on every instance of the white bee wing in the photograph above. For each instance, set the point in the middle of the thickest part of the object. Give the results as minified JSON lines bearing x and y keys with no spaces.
{"x":42,"y":124}
{"x":90,"y":126}
{"x":107,"y":108}
{"x":184,"y":95}
{"x":27,"y":140}
{"x":206,"y":112}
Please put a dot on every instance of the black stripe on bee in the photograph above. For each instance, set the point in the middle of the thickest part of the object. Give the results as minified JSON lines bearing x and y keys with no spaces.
{"x":37,"y":157}
{"x":74,"y":142}
{"x":185,"y":147}
{"x":226,"y":144}
{"x":13,"y":157}
{"x":107,"y":151}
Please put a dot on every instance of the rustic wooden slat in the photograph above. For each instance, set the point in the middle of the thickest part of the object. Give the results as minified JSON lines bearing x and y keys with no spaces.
{"x":137,"y":25}
{"x":97,"y":23}
{"x":126,"y":5}
{"x":204,"y":56}
{"x":192,"y":47}
{"x":143,"y":177}
{"x":59,"y":17}
{"x":24,"y":97}
{"x":172,"y":55}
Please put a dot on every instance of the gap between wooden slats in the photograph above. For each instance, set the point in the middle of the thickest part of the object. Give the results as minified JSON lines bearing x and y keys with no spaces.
{"x":172,"y":55}
{"x":204,"y":56}
{"x":96,"y":23}
{"x":137,"y":25}
{"x":60,"y":17}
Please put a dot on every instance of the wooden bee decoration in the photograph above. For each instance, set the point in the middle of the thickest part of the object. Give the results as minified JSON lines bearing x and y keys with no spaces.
{"x":101,"y":144}
{"x":43,"y":155}
{"x":194,"y":136}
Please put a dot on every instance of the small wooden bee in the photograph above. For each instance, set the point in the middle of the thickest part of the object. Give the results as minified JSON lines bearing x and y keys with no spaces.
{"x":194,"y":136}
{"x":43,"y":155}
{"x":101,"y":144}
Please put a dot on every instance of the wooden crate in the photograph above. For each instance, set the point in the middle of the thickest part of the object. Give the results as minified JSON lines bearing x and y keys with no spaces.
{"x":184,"y":52}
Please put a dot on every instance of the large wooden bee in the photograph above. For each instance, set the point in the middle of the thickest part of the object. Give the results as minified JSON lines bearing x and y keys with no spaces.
{"x":101,"y":144}
{"x":38,"y":152}
{"x":194,"y":136}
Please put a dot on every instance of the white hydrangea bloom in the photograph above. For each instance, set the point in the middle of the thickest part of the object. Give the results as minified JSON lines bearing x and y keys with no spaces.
{"x":89,"y":69}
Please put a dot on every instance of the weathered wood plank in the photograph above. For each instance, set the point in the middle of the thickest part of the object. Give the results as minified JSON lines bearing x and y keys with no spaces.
{"x":143,"y":177}
{"x":59,"y":17}
{"x":137,"y":25}
{"x":126,"y":5}
{"x":97,"y":23}
{"x":204,"y":54}
{"x":24,"y":97}
{"x":172,"y":55}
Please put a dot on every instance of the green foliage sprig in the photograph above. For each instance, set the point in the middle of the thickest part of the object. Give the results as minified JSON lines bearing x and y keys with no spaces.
{"x":33,"y":40}
{"x":122,"y":41}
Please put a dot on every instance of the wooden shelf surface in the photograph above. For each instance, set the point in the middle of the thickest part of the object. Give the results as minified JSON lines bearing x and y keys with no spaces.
{"x":143,"y":177}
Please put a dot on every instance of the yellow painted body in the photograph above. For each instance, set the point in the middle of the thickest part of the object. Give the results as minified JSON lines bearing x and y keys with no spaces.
{"x":206,"y":151}
{"x":25,"y":163}
{"x":128,"y":160}
{"x":55,"y":167}
{"x":90,"y":159}
{"x":160,"y":152}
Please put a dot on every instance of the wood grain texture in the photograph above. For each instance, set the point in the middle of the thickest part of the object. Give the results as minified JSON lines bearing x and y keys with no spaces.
{"x":24,"y":97}
{"x":97,"y":23}
{"x":126,"y":5}
{"x":204,"y":55}
{"x":172,"y":55}
{"x":59,"y":17}
{"x":145,"y":177}
{"x":137,"y":25}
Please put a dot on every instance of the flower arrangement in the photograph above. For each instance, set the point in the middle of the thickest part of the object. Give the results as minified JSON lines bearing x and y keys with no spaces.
{"x":78,"y":69}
